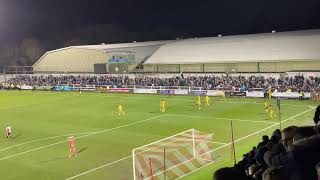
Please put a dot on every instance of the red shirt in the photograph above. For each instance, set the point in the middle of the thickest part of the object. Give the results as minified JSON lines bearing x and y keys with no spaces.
{"x":71,"y":142}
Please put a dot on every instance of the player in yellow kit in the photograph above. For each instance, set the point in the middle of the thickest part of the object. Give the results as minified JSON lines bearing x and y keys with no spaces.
{"x":207,"y":99}
{"x":199,"y":102}
{"x":269,"y":93}
{"x":266,"y":106}
{"x":162,"y":106}
{"x":120,"y":110}
{"x":272,"y":112}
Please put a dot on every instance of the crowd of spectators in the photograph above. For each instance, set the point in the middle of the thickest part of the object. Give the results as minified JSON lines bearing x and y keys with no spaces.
{"x":222,"y":82}
{"x":290,"y":154}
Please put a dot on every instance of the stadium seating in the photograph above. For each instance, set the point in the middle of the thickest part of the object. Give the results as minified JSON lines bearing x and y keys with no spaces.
{"x":207,"y":82}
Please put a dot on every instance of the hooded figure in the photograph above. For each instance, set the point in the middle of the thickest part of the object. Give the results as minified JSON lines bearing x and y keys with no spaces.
{"x":316,"y":118}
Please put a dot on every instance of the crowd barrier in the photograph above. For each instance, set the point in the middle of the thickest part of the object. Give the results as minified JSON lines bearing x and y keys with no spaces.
{"x":175,"y":91}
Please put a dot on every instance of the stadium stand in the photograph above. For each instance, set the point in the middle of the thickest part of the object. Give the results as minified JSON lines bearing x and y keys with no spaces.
{"x":209,"y":82}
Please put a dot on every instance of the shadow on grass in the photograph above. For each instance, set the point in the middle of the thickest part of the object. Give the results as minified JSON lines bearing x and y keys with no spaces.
{"x":54,"y":159}
{"x":82,"y":149}
{"x":62,"y":158}
{"x":16,"y":136}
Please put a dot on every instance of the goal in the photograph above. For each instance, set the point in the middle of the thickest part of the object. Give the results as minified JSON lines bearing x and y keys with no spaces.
{"x":172,"y":157}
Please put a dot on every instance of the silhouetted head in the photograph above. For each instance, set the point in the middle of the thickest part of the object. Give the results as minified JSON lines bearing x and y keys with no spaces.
{"x":303,"y":132}
{"x":287,"y":137}
{"x":316,"y":117}
{"x":229,"y":173}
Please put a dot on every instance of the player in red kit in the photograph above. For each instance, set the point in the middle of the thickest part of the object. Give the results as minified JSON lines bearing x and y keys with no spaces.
{"x":72,"y":148}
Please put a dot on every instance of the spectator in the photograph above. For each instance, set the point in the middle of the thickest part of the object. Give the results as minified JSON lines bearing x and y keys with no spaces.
{"x":229,"y":173}
{"x":223,"y":82}
{"x":265,"y":140}
{"x":287,"y":137}
{"x":303,"y":132}
{"x":316,"y":117}
{"x":318,"y":170}
{"x":275,"y":174}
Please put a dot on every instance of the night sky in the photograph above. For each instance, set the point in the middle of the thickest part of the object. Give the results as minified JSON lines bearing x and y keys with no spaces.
{"x":57,"y":23}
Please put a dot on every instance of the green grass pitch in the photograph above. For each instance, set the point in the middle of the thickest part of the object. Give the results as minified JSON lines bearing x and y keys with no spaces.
{"x":42,"y":121}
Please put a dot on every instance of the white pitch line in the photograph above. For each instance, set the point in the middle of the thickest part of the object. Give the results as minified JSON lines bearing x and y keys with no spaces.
{"x":224,"y":145}
{"x":42,"y":139}
{"x":204,"y":159}
{"x":89,"y":134}
{"x":195,"y":170}
{"x":245,"y":138}
{"x":216,"y":142}
{"x":229,"y":119}
{"x":113,"y":162}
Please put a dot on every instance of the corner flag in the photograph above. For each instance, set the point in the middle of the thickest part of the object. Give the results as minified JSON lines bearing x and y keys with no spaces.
{"x":278,"y":103}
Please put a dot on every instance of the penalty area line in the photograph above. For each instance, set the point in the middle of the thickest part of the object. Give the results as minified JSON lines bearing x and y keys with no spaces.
{"x":224,"y":145}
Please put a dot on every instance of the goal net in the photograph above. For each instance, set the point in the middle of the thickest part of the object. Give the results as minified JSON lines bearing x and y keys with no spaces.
{"x":172,"y":157}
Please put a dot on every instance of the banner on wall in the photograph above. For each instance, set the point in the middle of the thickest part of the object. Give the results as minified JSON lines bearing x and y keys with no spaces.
{"x":198,"y":92}
{"x":237,"y":93}
{"x":145,"y":91}
{"x":307,"y":95}
{"x":215,"y":93}
{"x":166,"y":92}
{"x":62,"y":88}
{"x":290,"y":95}
{"x":181,"y":91}
{"x":24,"y":87}
{"x":46,"y":88}
{"x":119,"y":90}
{"x":84,"y":88}
{"x":255,"y":94}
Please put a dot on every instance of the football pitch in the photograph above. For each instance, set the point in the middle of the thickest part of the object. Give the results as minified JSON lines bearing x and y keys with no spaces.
{"x":42,"y":121}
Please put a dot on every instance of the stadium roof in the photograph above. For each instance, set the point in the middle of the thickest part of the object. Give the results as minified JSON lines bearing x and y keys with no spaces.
{"x":107,"y":47}
{"x":294,"y":45}
{"x":141,"y":48}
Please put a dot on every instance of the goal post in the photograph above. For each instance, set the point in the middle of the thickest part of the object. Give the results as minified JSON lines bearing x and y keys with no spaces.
{"x":172,"y":157}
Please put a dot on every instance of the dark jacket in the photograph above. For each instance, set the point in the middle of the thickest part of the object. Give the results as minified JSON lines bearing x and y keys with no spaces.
{"x":301,"y":161}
